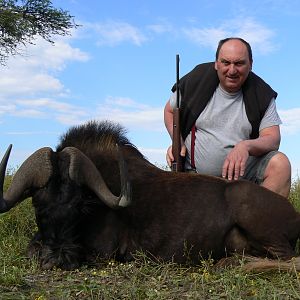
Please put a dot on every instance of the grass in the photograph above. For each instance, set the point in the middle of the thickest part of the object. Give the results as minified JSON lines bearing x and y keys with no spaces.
{"x":295,"y":194}
{"x":21,"y":277}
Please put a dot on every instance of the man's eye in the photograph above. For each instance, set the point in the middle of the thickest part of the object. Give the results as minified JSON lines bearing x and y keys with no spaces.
{"x":240,"y":63}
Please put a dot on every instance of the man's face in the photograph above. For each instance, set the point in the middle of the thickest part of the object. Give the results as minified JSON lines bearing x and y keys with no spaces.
{"x":233,"y":65}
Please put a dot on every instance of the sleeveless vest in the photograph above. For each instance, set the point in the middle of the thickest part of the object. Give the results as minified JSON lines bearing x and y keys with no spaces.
{"x":198,"y":86}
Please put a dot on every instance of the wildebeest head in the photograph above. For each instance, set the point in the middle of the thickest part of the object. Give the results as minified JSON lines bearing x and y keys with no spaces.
{"x":65,"y":185}
{"x":37,"y":170}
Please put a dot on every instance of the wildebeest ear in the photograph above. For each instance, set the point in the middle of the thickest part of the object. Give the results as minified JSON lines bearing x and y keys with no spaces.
{"x":84,"y":172}
{"x":33,"y":174}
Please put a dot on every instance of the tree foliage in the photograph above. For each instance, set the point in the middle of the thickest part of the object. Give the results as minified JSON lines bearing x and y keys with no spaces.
{"x":21,"y":21}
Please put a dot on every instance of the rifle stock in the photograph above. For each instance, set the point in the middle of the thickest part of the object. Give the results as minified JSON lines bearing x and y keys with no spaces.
{"x":177,"y":164}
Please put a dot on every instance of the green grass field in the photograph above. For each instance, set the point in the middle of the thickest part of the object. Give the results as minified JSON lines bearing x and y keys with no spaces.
{"x":21,"y":278}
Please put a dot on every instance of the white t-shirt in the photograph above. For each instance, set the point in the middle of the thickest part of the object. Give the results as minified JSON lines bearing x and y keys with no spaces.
{"x":221,"y":125}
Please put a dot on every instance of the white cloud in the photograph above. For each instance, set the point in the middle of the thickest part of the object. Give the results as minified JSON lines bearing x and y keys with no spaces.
{"x":208,"y":37}
{"x":124,"y":102}
{"x":46,"y":103}
{"x":124,"y":110}
{"x":30,"y":132}
{"x":131,"y":114}
{"x":7,"y":108}
{"x":24,"y":81}
{"x":73,"y":118}
{"x":63,"y":112}
{"x":48,"y":56}
{"x":55,"y":56}
{"x":163,"y":26}
{"x":255,"y":33}
{"x":31,"y":73}
{"x":29,"y":113}
{"x":282,"y":7}
{"x":46,"y":108}
{"x":155,"y":155}
{"x":290,"y":121}
{"x":112,"y":33}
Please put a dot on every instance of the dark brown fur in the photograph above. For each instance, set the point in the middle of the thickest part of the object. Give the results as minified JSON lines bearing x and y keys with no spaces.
{"x":174,"y":216}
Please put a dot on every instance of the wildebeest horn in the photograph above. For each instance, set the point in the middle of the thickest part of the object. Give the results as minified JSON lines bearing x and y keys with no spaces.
{"x":34,"y":173}
{"x":83,"y":171}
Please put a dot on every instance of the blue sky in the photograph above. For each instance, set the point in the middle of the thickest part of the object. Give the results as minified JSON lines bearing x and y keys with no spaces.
{"x":120,"y":65}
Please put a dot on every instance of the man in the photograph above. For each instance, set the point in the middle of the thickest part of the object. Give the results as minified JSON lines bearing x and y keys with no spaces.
{"x":229,"y":123}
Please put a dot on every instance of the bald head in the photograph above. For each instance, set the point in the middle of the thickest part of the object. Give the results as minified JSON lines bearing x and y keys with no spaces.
{"x":233,"y":63}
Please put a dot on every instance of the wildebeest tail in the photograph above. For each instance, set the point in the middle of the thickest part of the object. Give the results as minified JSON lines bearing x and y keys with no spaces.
{"x":256,"y":264}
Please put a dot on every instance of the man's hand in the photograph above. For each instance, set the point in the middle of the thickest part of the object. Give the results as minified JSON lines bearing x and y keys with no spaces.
{"x":170,"y":156}
{"x":235,"y":163}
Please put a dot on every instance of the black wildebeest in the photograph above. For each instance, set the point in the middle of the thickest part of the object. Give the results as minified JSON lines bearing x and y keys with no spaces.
{"x":173,"y":216}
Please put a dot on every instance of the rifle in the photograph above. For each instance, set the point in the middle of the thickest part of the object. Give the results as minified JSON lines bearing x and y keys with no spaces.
{"x":177,"y":164}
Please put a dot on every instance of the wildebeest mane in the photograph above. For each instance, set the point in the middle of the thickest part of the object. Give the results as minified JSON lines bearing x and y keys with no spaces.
{"x":98,"y":140}
{"x":96,"y":135}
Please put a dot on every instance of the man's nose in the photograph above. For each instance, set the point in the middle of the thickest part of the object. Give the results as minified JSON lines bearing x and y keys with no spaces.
{"x":232,"y":69}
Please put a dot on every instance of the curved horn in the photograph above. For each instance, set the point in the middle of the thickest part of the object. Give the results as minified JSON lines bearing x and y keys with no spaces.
{"x":2,"y":176}
{"x":83,"y":171}
{"x":33,"y":173}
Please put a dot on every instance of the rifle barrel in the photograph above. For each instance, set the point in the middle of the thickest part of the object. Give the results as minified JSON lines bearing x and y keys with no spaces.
{"x":177,"y":164}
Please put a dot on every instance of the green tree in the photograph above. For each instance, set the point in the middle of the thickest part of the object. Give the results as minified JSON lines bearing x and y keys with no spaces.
{"x":22,"y":21}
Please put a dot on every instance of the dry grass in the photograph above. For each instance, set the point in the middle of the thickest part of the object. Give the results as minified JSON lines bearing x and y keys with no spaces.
{"x":21,"y":278}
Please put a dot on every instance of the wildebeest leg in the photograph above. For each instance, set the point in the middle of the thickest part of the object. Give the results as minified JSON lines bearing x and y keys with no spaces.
{"x":35,"y":246}
{"x":269,"y":222}
{"x":236,"y":241}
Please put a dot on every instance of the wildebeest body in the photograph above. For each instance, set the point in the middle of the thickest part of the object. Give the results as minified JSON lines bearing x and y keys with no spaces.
{"x":172,"y":216}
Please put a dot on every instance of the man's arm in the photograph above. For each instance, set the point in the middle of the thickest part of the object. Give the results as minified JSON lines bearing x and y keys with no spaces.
{"x":268,"y":140}
{"x":168,"y":118}
{"x":235,"y":162}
